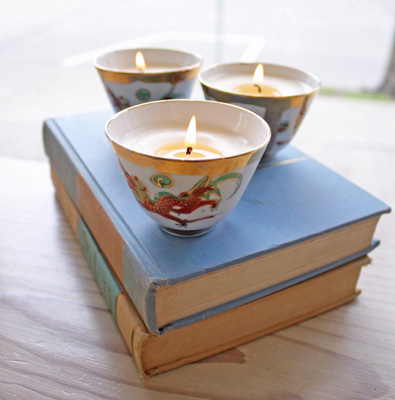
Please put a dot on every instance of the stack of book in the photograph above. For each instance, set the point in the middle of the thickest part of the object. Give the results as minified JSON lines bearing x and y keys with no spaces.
{"x":293,"y":248}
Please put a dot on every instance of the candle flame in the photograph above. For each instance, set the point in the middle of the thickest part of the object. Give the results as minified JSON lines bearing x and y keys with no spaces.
{"x":258,"y":74}
{"x":190,"y":137}
{"x":140,"y":62}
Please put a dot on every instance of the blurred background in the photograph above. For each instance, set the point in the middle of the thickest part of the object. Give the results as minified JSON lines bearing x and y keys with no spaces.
{"x":47,"y":47}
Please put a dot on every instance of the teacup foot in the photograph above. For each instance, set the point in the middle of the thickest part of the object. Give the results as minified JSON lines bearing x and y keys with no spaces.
{"x":186,"y":233}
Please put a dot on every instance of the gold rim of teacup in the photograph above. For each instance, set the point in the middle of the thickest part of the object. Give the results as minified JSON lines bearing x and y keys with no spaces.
{"x":188,"y":167}
{"x":204,"y":82}
{"x":121,"y":76}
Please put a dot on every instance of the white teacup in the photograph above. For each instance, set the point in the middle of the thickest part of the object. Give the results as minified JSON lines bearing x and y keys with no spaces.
{"x":284,"y":107}
{"x":187,"y":196}
{"x":168,"y":74}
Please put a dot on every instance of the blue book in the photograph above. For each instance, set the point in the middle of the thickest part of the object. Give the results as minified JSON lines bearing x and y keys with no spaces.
{"x":296,"y":219}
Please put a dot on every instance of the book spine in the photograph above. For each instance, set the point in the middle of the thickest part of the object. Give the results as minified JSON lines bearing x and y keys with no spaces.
{"x":69,"y":170}
{"x":125,"y":314}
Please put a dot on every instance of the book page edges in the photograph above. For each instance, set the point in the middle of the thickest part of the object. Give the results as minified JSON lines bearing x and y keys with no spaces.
{"x":248,"y":338}
{"x":184,"y":299}
{"x":259,"y":318}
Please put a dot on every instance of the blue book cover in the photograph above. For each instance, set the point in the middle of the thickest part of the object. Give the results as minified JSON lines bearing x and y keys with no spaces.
{"x":296,"y":218}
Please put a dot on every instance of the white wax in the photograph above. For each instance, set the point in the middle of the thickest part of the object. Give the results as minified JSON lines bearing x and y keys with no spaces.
{"x":153,"y":67}
{"x":151,"y":138}
{"x":287,"y":87}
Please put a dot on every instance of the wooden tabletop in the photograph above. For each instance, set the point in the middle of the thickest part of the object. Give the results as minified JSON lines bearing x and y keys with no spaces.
{"x":58,"y":340}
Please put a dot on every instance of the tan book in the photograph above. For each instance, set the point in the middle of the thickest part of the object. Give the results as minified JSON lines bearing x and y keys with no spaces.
{"x":154,"y":354}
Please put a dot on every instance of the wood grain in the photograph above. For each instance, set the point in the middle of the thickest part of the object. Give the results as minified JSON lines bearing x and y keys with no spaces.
{"x":58,"y":340}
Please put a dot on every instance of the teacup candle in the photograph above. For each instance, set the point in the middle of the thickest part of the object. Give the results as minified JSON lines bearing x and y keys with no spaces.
{"x":259,"y":86}
{"x":135,"y":76}
{"x":187,"y":149}
{"x":187,"y":177}
{"x":279,"y":94}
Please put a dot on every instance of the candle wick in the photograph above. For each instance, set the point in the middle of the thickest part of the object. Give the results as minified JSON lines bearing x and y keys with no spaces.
{"x":258,"y":87}
{"x":189,"y":150}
